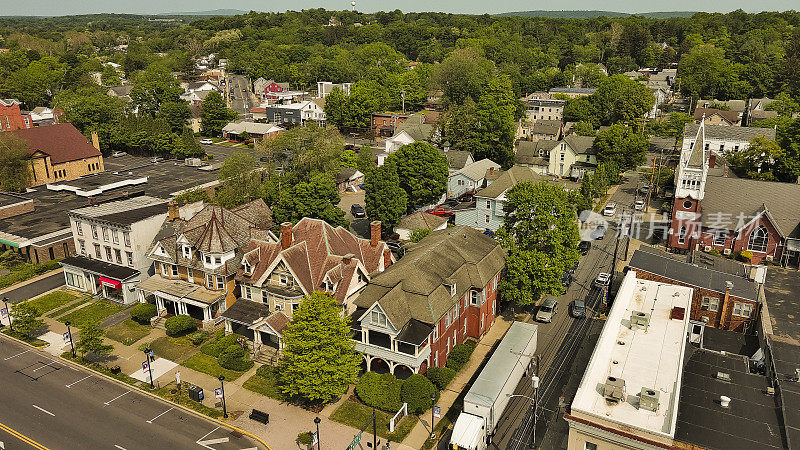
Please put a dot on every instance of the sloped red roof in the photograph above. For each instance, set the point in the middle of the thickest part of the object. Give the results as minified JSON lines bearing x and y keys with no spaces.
{"x":62,"y":141}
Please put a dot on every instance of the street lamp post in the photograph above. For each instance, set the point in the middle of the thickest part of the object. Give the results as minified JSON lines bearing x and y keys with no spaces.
{"x":433,"y":405}
{"x":149,"y":368}
{"x":8,"y":313}
{"x":317,"y":420}
{"x":69,"y":333}
{"x":534,"y":400}
{"x":222,"y":387}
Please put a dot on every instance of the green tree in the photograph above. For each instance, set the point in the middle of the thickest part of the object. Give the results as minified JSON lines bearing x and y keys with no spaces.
{"x":496,"y":115}
{"x":90,"y":109}
{"x":241,"y":183}
{"x":336,"y":107}
{"x":366,"y":160}
{"x":349,"y":158}
{"x":705,"y":72}
{"x":465,"y":73}
{"x":25,"y":318}
{"x":584,"y":128}
{"x":621,"y":99}
{"x":460,"y":127}
{"x":540,"y":233}
{"x":189,"y":146}
{"x":38,"y":83}
{"x":582,"y":109}
{"x":422,"y":169}
{"x":419,"y":234}
{"x":319,"y":359}
{"x":315,"y":197}
{"x":110,"y":77}
{"x":91,"y":340}
{"x":176,"y":114}
{"x":384,"y":199}
{"x":758,"y":160}
{"x":784,"y":104}
{"x":306,"y":150}
{"x":152,"y":88}
{"x":214,"y":115}
{"x":15,"y":170}
{"x":621,"y":146}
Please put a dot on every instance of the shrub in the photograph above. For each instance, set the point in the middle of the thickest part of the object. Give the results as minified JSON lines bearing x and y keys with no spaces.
{"x":305,"y":438}
{"x":180,"y":325}
{"x":459,"y":357}
{"x":215,"y":348}
{"x":235,"y":358}
{"x":380,"y":390}
{"x":266,"y":371}
{"x":440,"y":376}
{"x":417,"y":391}
{"x":198,"y":337}
{"x":713,"y":252}
{"x":143,"y":312}
{"x":745,"y":256}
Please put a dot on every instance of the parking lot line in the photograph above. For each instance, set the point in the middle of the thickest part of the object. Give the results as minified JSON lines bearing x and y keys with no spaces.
{"x":43,"y":410}
{"x":156,"y":417}
{"x":76,"y":382}
{"x":109,"y":402}
{"x":21,"y":353}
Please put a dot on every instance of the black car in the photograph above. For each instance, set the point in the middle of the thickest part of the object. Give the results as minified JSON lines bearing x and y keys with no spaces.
{"x":466,"y":197}
{"x":577,"y":309}
{"x":584,"y":247}
{"x":358,"y":211}
{"x":566,"y":279}
{"x":451,"y":202}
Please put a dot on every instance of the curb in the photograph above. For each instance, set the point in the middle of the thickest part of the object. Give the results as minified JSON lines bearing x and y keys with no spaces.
{"x":150,"y":394}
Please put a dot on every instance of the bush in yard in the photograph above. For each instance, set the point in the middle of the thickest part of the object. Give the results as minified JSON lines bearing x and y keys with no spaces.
{"x":459,"y":357}
{"x":235,"y":358}
{"x":266,"y":371}
{"x":180,"y":325}
{"x":745,"y":256}
{"x":215,"y":348}
{"x":380,"y":390}
{"x":440,"y":376}
{"x":304,"y":438}
{"x":198,"y":337}
{"x":713,"y":252}
{"x":143,"y":312}
{"x":417,"y":391}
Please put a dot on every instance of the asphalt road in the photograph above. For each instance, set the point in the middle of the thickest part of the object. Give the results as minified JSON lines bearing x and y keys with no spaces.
{"x":45,"y":403}
{"x":38,"y":287}
{"x":241,"y":101}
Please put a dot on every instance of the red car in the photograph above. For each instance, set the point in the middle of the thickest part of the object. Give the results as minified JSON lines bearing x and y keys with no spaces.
{"x":441,"y":211}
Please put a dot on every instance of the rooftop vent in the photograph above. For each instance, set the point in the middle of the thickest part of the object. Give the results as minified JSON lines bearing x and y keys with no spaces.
{"x":724,"y":401}
{"x":724,"y":376}
{"x":639,"y":319}
{"x":648,"y":399}
{"x":614,"y":390}
{"x":678,"y":313}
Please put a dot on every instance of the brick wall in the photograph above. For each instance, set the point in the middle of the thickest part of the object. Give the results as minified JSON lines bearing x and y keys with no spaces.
{"x":11,"y":118}
{"x":24,"y":206}
{"x":739,"y":243}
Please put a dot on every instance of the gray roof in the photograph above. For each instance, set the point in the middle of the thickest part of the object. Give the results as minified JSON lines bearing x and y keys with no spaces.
{"x":528,"y":152}
{"x":782,"y":297}
{"x":416,"y":127}
{"x":414,"y":286}
{"x":477,"y":170}
{"x":121,"y":91}
{"x":571,"y":90}
{"x":457,"y":159}
{"x":728,"y":132}
{"x":697,"y":154}
{"x":733,"y":105}
{"x":581,"y":145}
{"x":759,"y":114}
{"x":124,"y":212}
{"x":652,"y":261}
{"x":246,"y":311}
{"x":735,"y":196}
{"x":550,"y":127}
{"x":519,"y":174}
{"x":421,"y":220}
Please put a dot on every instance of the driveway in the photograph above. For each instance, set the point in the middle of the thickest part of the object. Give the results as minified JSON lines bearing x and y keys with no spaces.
{"x":35,"y":288}
{"x":358,"y":226}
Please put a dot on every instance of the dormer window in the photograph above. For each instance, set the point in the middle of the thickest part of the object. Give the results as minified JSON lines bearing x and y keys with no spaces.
{"x":187,"y":251}
{"x":378,"y":318}
{"x":248,"y":269}
{"x":451,"y":286}
{"x":207,"y":259}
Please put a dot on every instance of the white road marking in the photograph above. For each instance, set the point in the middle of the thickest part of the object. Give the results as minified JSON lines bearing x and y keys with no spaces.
{"x":76,"y":382}
{"x":22,"y":353}
{"x":204,"y":443}
{"x":44,"y":410}
{"x":109,"y":402}
{"x":120,"y":448}
{"x":156,"y":417}
{"x":214,"y":441}
{"x":45,"y":365}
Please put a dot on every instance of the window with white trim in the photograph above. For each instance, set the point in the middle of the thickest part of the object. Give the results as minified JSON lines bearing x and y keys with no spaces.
{"x":709,"y":304}
{"x":129,"y":255}
{"x":209,"y":281}
{"x":220,"y":282}
{"x":174,"y":270}
{"x":115,"y":236}
{"x":74,"y":280}
{"x":720,"y":236}
{"x":97,"y":251}
{"x":474,"y":298}
{"x":187,"y":251}
{"x":488,"y":204}
{"x":118,"y":255}
{"x":682,"y":235}
{"x":79,"y":227}
{"x":165,"y":269}
{"x":378,"y":318}
{"x":436,"y":332}
{"x":742,"y":309}
{"x":189,"y":275}
{"x":589,"y":446}
{"x":94,"y":231}
{"x":247,"y":292}
{"x":108,"y":254}
{"x":82,"y":245}
{"x":105,"y":234}
{"x":126,"y":236}
{"x":759,"y":239}
{"x":455,"y":311}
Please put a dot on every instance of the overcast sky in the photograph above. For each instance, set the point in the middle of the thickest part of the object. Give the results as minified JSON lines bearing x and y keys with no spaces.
{"x":62,"y":7}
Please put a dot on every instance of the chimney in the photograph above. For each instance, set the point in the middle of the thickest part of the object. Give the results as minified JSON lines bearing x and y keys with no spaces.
{"x":387,"y":258}
{"x":491,"y":170}
{"x":348,"y":258}
{"x":95,"y":140}
{"x":173,"y":211}
{"x":286,"y":235}
{"x":724,"y":314}
{"x":374,"y":232}
{"x":712,"y":160}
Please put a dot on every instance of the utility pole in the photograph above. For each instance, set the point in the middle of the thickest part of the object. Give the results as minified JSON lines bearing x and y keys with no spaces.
{"x":403,"y":96}
{"x":535,"y":383}
{"x":374,"y":431}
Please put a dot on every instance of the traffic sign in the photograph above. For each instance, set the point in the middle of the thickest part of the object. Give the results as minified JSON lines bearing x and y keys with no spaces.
{"x":66,"y":338}
{"x":314,"y":440}
{"x":145,"y":366}
{"x":218,"y":393}
{"x":4,"y":313}
{"x":437,"y":412}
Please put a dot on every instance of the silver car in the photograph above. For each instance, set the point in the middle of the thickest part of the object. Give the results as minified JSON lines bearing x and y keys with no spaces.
{"x":546,"y":312}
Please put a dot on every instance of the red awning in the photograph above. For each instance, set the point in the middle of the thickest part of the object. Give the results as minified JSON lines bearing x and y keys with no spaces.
{"x":110,"y":283}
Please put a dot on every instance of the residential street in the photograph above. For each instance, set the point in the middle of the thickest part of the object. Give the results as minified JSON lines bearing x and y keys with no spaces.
{"x":35,"y":288}
{"x":60,"y":407}
{"x":240,"y":101}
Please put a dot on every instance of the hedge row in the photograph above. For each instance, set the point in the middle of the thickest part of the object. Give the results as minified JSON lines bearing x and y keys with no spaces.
{"x":235,"y":358}
{"x":460,"y":354}
{"x":387,"y":393}
{"x":143,"y":312}
{"x":216,"y":347}
{"x":180,"y":325}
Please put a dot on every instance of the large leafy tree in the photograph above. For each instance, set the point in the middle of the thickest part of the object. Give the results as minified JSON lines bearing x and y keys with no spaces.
{"x":540,"y":233}
{"x":464,"y":74}
{"x":25,"y":318}
{"x":496,"y":114}
{"x":241,"y":183}
{"x":15,"y":171}
{"x":91,"y":341}
{"x":705,"y":72}
{"x":152,"y":88}
{"x":620,"y":145}
{"x":319,"y":359}
{"x":315,"y":197}
{"x":621,"y":99}
{"x":758,"y":161}
{"x":384,"y":199}
{"x":214,"y":115}
{"x":176,"y":114}
{"x":39,"y":82}
{"x":422,"y":169}
{"x":306,"y":150}
{"x":90,"y":109}
{"x":336,"y":107}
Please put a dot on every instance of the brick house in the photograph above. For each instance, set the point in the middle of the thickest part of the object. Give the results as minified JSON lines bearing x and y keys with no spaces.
{"x":196,"y":255}
{"x":11,"y":117}
{"x":731,"y":214}
{"x":443,"y":291}
{"x":385,"y":123}
{"x":310,"y":256}
{"x":720,"y":300}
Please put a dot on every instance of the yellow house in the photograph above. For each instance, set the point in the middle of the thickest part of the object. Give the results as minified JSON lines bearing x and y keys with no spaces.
{"x":60,"y":153}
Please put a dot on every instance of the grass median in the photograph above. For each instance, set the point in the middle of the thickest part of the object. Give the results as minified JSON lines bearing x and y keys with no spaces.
{"x":68,"y":308}
{"x":51,"y":301}
{"x":358,"y":415}
{"x":95,"y":312}
{"x":128,"y":332}
{"x":209,"y":365}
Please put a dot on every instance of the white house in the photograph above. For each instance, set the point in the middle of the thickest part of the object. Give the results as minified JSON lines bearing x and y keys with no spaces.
{"x":572,"y":157}
{"x":326,"y":87}
{"x":470,"y":178}
{"x":721,"y":139}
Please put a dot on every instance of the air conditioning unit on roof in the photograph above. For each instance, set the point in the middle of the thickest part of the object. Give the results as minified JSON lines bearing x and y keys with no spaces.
{"x":648,"y":399}
{"x":639,"y":319}
{"x":614,"y":390}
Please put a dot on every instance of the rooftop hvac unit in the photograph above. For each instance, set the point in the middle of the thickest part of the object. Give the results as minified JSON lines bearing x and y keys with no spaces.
{"x":614,"y":390}
{"x":639,"y":319}
{"x":648,"y":399}
{"x":726,"y":251}
{"x":724,"y":376}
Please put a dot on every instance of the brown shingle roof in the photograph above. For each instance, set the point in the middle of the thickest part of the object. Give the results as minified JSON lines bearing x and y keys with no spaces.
{"x":731,"y":117}
{"x":62,"y":141}
{"x":421,"y":220}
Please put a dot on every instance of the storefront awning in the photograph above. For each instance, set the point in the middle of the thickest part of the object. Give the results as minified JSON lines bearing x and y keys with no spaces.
{"x":109,"y":282}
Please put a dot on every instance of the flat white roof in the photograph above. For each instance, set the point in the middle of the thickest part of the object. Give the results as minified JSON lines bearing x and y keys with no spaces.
{"x":651,"y":357}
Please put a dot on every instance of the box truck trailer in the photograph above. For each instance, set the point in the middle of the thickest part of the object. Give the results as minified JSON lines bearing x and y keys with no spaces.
{"x":489,"y":395}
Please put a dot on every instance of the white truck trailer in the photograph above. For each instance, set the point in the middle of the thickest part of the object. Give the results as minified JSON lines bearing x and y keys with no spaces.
{"x":489,"y":395}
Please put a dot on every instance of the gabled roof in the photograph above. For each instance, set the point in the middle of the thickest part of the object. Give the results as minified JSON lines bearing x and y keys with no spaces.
{"x":477,"y":170}
{"x":729,"y":116}
{"x":697,"y":152}
{"x":414,"y":287}
{"x":516,"y":175}
{"x":528,"y":152}
{"x":62,"y":142}
{"x":549,"y":127}
{"x":457,"y":159}
{"x":581,"y":145}
{"x":733,"y":105}
{"x":416,"y":127}
{"x":421,"y":220}
{"x":723,"y":132}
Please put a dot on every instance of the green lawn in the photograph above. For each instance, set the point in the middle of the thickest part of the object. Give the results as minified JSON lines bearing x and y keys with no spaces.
{"x":25,"y":271}
{"x":357,"y":415}
{"x":128,"y":332}
{"x":173,"y":349}
{"x":63,"y":310}
{"x":265,"y":383}
{"x":24,"y":338}
{"x":95,"y":312}
{"x":51,"y":301}
{"x":208,"y":364}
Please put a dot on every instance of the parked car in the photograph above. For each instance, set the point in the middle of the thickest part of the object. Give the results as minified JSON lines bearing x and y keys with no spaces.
{"x":610,"y":209}
{"x":638,"y":205}
{"x":577,"y":309}
{"x":584,"y":247}
{"x":118,"y":154}
{"x":603,"y":279}
{"x":358,"y":211}
{"x":645,"y":189}
{"x":466,"y":197}
{"x":441,"y":211}
{"x":156,"y":159}
{"x":206,"y":141}
{"x":599,"y":233}
{"x":547,"y":311}
{"x":489,"y":232}
{"x":451,"y":202}
{"x":566,"y":279}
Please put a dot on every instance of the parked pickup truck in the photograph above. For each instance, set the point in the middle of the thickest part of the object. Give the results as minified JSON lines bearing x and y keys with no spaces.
{"x":490,"y":394}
